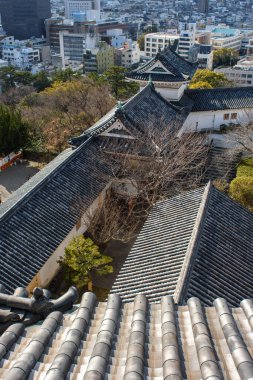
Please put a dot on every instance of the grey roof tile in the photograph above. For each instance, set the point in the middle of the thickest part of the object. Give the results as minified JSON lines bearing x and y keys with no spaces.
{"x":147,"y":109}
{"x":138,"y":340}
{"x":38,"y":216}
{"x":225,"y":98}
{"x":198,"y":244}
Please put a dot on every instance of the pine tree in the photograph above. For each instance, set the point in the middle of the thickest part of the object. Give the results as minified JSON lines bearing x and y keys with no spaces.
{"x":82,"y":257}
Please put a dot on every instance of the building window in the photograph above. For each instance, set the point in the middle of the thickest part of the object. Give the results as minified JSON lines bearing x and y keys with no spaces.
{"x":226,"y":116}
{"x":233,"y":116}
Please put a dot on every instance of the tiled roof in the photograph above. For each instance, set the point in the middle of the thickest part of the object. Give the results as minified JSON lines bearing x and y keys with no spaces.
{"x":147,"y":109}
{"x":223,"y":258}
{"x":218,"y":99}
{"x":177,"y":68}
{"x":37,"y":218}
{"x":154,"y":263}
{"x":134,"y":341}
{"x":18,"y":308}
{"x":197,"y":244}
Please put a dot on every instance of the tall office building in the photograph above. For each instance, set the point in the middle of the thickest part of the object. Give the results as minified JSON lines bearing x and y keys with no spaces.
{"x":204,"y":6}
{"x":24,"y":19}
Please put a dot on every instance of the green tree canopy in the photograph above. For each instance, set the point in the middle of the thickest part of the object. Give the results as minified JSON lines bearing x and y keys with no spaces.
{"x":41,"y":81}
{"x":141,"y":41}
{"x":64,"y":75}
{"x":82,"y":257}
{"x":121,"y":88}
{"x":200,"y":84}
{"x":10,"y":77}
{"x":225,"y":57}
{"x":241,"y":190}
{"x":203,"y":77}
{"x":13,"y":131}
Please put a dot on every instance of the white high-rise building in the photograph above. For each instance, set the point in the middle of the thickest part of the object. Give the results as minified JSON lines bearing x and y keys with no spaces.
{"x":74,"y":6}
{"x":187,"y":38}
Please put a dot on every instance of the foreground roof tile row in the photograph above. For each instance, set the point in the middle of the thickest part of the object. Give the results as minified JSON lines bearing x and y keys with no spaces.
{"x":135,"y":341}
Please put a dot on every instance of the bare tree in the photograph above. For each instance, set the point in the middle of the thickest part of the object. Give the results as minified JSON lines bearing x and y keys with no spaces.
{"x":240,"y":138}
{"x":156,"y":165}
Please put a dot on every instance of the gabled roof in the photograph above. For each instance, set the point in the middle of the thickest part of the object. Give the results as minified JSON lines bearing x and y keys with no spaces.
{"x":166,"y":66}
{"x":39,"y":215}
{"x":111,"y":340}
{"x":199,"y":243}
{"x":146,"y":110}
{"x":217,"y":99}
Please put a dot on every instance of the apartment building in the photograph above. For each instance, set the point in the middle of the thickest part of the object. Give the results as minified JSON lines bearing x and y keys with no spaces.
{"x":155,"y":42}
{"x":241,"y":74}
{"x":187,"y":38}
{"x":226,"y":38}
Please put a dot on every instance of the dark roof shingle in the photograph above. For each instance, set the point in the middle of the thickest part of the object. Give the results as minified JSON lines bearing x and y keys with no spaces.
{"x":197,"y":244}
{"x":177,"y":69}
{"x":218,"y":99}
{"x":37,"y":218}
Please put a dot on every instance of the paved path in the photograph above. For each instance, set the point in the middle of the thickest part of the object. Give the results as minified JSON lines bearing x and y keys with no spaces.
{"x":14,"y":177}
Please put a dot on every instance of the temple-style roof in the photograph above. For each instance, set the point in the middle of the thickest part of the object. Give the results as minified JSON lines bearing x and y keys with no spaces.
{"x":199,"y":243}
{"x":217,"y":99}
{"x":19,"y":308}
{"x":38,"y":216}
{"x":166,"y":66}
{"x":146,"y":110}
{"x":135,"y":341}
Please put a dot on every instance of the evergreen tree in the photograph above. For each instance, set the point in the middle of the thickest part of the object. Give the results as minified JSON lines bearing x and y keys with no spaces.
{"x":82,"y":257}
{"x":13,"y":131}
{"x":121,"y":88}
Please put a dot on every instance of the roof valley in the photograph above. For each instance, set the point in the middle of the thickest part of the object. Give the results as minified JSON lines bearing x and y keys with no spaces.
{"x":192,"y":249}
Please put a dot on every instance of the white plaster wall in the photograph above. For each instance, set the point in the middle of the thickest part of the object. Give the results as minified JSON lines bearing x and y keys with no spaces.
{"x":197,"y":121}
{"x":169,"y":93}
{"x":50,"y":268}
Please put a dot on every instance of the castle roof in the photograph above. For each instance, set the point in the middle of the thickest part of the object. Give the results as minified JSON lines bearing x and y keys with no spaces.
{"x":166,"y":66}
{"x":215,"y":99}
{"x":146,"y":110}
{"x":199,"y":244}
{"x":39,"y":215}
{"x":135,"y":341}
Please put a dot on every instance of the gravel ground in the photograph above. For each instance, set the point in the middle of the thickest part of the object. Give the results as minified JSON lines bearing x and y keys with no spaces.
{"x":14,"y":177}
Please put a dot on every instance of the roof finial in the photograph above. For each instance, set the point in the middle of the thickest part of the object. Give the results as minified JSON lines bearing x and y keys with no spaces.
{"x":150,"y":79}
{"x":119,"y":105}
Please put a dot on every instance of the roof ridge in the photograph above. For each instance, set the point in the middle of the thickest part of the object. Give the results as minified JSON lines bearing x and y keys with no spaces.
{"x":192,"y":246}
{"x":218,"y":89}
{"x":168,"y":48}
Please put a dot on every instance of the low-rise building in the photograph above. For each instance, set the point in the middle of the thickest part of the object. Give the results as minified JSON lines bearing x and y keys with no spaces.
{"x":98,"y":59}
{"x":17,"y":54}
{"x":205,"y":57}
{"x":128,"y":55}
{"x":155,"y":42}
{"x":241,"y":74}
{"x":226,"y":38}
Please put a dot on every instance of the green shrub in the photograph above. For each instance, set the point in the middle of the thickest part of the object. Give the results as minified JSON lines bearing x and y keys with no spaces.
{"x":241,"y":190}
{"x":245,"y":169}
